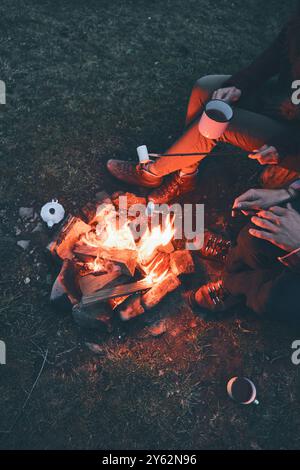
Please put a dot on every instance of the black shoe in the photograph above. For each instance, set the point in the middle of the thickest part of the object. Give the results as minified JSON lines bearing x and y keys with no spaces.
{"x":215,"y":247}
{"x":212,"y":297}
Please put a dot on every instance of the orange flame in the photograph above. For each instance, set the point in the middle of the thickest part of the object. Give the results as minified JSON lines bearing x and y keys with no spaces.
{"x":149,"y":245}
{"x":109,"y":234}
{"x":155,"y":238}
{"x":153,"y":271}
{"x":119,"y":237}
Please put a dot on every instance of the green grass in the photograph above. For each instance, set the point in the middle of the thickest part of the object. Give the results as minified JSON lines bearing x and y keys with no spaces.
{"x":87,"y":81}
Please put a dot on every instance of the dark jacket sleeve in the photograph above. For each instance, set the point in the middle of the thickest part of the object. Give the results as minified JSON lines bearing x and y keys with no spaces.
{"x":292,"y":261}
{"x":288,"y":142}
{"x":264,"y":67}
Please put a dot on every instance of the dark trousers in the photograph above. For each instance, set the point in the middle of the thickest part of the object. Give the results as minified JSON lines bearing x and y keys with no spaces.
{"x":254,"y":272}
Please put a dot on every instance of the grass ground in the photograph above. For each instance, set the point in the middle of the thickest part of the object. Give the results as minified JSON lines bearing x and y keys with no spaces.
{"x":87,"y":81}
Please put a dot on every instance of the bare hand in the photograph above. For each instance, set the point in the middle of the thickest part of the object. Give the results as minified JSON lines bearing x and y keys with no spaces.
{"x":280,"y":227}
{"x":230,"y":94}
{"x":257,"y":199}
{"x":266,"y":155}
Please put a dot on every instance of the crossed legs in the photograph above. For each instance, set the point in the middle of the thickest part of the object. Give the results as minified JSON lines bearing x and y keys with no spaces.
{"x":248,"y":130}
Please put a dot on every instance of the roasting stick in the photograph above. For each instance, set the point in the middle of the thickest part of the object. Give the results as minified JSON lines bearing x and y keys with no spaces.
{"x":145,"y":156}
{"x":217,"y":154}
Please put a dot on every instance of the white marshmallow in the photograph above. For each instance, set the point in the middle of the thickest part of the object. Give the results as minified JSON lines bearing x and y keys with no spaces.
{"x":143,"y":154}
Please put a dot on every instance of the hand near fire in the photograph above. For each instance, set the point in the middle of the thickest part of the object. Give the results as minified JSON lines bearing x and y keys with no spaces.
{"x":258,"y":199}
{"x":266,"y":155}
{"x":280,"y":226}
{"x":230,"y":94}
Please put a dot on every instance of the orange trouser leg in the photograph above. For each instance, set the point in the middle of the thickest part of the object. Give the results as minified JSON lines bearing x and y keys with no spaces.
{"x":248,"y":130}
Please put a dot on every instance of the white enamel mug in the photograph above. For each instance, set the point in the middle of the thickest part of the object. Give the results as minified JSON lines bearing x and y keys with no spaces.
{"x":247,"y":398}
{"x":215,"y":119}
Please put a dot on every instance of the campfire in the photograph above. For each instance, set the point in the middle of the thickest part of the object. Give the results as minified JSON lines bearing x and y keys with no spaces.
{"x":115,"y":263}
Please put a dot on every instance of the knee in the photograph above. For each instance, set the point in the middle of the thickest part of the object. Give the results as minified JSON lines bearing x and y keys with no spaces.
{"x":203,"y":89}
{"x":252,"y":249}
{"x":205,"y":83}
{"x":283,"y":299}
{"x":246,"y":241}
{"x":205,"y":86}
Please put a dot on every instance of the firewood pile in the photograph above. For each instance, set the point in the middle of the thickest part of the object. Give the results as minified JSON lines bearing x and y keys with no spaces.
{"x":107,"y":271}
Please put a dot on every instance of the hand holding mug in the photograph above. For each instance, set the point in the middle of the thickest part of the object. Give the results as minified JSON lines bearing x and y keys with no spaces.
{"x":229,"y":94}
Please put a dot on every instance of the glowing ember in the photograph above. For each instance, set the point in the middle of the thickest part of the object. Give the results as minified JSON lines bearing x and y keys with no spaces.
{"x":149,"y":245}
{"x":156,"y":278}
{"x":100,"y":266}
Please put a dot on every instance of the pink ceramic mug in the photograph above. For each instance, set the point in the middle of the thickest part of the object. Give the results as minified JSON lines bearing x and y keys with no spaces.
{"x":215,"y":119}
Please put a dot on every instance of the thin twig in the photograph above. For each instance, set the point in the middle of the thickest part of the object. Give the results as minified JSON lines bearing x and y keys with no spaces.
{"x":28,"y":397}
{"x":66,"y":352}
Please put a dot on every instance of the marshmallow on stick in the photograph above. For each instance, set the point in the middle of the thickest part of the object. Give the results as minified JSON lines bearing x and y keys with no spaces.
{"x":143,"y":154}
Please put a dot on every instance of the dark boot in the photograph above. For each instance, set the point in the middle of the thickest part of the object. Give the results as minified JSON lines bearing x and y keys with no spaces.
{"x":174,"y":187}
{"x":215,"y":247}
{"x":212,"y":297}
{"x":133,"y":174}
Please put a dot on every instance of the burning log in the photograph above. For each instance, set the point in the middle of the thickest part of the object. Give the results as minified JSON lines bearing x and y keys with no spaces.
{"x":88,"y":212}
{"x":118,"y":291}
{"x":169,"y":248}
{"x":116,"y":301}
{"x":70,"y":233}
{"x":151,"y":298}
{"x":86,"y":251}
{"x":132,"y":308}
{"x":181,"y":262}
{"x":91,"y":283}
{"x":94,"y":266}
{"x":126,"y":258}
{"x":65,"y":292}
{"x":159,"y":264}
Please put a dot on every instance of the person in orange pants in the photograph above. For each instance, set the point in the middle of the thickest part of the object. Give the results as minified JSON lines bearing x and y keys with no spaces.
{"x":269,"y":124}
